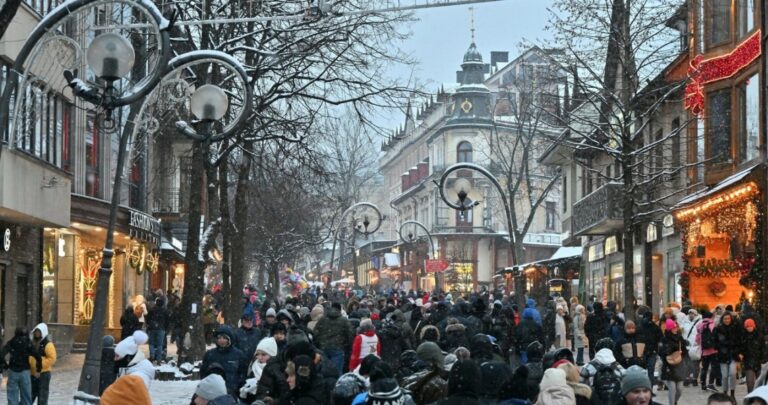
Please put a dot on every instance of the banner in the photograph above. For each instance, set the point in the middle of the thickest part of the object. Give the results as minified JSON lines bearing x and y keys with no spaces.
{"x":435,"y":266}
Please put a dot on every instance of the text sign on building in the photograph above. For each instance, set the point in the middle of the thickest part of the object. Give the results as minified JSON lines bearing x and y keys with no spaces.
{"x":144,"y":227}
{"x":435,"y":266}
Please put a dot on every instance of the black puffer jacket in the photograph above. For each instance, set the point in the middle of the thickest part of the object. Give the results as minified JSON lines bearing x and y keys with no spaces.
{"x":528,"y":331}
{"x":273,"y":383}
{"x":754,"y":351}
{"x":19,"y":348}
{"x":597,"y":324}
{"x":670,"y":343}
{"x":393,"y":344}
{"x":728,"y":341}
{"x":247,"y":340}
{"x":230,"y":358}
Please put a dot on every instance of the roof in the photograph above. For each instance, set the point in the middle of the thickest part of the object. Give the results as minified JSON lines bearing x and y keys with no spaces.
{"x":714,"y":189}
{"x":563,"y":253}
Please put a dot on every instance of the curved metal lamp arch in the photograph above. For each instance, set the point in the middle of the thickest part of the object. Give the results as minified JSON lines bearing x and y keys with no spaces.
{"x":477,"y":168}
{"x":341,"y":224}
{"x":426,"y":231}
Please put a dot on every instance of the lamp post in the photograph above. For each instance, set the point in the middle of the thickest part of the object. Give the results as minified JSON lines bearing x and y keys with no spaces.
{"x":363,"y":213}
{"x":462,"y":187}
{"x":412,"y":238}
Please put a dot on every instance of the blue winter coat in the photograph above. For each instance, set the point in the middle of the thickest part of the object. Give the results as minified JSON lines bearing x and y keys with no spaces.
{"x":230,"y":358}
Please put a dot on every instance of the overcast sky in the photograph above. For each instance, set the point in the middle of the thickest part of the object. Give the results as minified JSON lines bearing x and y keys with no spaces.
{"x":442,"y":35}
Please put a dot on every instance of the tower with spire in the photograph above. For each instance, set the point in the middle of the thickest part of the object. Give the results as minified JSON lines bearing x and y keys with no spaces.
{"x":472,"y":100}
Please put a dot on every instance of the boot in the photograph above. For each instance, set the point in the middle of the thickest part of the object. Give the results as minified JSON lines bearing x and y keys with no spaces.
{"x":733,"y":394}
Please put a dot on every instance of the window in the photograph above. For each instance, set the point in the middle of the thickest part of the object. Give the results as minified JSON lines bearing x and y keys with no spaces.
{"x":464,"y":152}
{"x":658,"y":153}
{"x":719,"y":20}
{"x":719,"y":129}
{"x":745,"y":17}
{"x":676,"y":135}
{"x":551,"y":208}
{"x":595,"y":252}
{"x":748,"y":96}
{"x":611,"y":245}
{"x":565,"y":193}
{"x":651,"y":233}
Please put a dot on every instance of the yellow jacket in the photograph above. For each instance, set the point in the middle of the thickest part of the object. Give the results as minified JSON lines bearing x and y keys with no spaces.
{"x":45,"y":347}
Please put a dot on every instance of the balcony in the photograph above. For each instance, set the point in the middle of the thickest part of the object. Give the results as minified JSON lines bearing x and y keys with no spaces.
{"x":170,"y":202}
{"x":598,"y":213}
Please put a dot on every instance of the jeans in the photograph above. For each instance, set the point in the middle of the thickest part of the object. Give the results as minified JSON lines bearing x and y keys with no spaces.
{"x":19,"y":385}
{"x":336,"y":357}
{"x":580,"y":356}
{"x":650,"y":365}
{"x":40,"y":388}
{"x":708,"y":363}
{"x":675,"y":391}
{"x":156,"y":339}
{"x":728,"y":374}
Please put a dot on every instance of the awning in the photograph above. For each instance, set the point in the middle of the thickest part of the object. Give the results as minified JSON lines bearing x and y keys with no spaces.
{"x":167,"y":248}
{"x":561,"y":254}
{"x":714,"y":189}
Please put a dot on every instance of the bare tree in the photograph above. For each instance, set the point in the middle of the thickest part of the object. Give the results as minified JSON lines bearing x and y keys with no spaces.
{"x":619,"y":51}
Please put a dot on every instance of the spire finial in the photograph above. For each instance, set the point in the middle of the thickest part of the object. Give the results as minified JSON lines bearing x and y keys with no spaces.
{"x":472,"y":22}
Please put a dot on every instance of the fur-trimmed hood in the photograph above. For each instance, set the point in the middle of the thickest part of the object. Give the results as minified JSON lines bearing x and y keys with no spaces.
{"x":455,"y":327}
{"x":581,"y":390}
{"x":429,"y":327}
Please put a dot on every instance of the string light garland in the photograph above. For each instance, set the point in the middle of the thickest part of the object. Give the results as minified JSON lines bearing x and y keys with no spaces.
{"x":730,"y":216}
{"x":702,"y":71}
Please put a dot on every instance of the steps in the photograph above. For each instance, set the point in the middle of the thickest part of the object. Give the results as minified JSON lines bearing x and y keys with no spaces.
{"x":79,"y":347}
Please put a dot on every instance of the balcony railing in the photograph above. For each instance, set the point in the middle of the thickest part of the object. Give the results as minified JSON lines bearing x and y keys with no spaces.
{"x":170,"y":202}
{"x":598,"y":213}
{"x":461,"y":229}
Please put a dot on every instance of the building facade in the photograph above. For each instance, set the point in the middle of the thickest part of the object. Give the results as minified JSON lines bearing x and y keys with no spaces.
{"x":469,"y":123}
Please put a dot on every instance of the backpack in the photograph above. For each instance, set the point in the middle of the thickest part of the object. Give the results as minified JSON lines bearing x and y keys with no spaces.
{"x":707,"y":338}
{"x":606,"y":384}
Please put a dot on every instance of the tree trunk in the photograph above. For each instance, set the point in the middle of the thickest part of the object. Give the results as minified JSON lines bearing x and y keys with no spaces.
{"x":274,"y":275}
{"x":7,"y":12}
{"x":230,"y":290}
{"x":193,"y":276}
{"x":238,"y":231}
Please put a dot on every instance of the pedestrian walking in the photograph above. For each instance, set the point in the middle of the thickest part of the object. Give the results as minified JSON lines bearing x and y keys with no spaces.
{"x":579,"y":336}
{"x":157,"y":319}
{"x":754,"y":352}
{"x":728,"y":342}
{"x":705,"y":339}
{"x":40,"y":363}
{"x":672,"y":350}
{"x":229,"y":358}
{"x":366,"y":342}
{"x":129,"y":322}
{"x":18,"y":350}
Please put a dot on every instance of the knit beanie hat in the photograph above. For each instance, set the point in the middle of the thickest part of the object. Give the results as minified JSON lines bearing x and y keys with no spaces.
{"x":749,"y":323}
{"x":635,"y":377}
{"x":140,"y":337}
{"x":271,"y":312}
{"x":384,"y":389}
{"x":268,"y":346}
{"x":128,"y":389}
{"x":347,"y":387}
{"x":430,"y":352}
{"x":669,"y":325}
{"x":211,"y":387}
{"x":366,"y":365}
{"x":126,"y":347}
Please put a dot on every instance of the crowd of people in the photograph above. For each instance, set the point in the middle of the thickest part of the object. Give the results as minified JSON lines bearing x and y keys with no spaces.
{"x":345,"y":348}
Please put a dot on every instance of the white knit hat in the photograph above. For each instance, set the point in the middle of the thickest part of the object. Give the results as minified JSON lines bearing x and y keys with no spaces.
{"x":268,"y":346}
{"x":211,"y":387}
{"x":126,"y":347}
{"x":140,"y":337}
{"x":271,"y":312}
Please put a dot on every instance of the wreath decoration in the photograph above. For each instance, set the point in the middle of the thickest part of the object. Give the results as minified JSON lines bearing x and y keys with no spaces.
{"x":151,"y":261}
{"x":717,"y":288}
{"x":136,"y":259}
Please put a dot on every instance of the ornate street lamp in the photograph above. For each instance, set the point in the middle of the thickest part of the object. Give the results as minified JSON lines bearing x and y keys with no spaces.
{"x":362,"y":215}
{"x":462,"y":188}
{"x":411,"y":238}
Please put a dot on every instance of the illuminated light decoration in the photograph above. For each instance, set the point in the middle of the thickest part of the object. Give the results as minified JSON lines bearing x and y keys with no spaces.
{"x":703,"y":71}
{"x":740,"y":194}
{"x":89,"y":271}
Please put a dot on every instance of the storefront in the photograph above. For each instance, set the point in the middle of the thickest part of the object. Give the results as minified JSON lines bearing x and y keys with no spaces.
{"x":722,"y":241}
{"x":72,"y":258}
{"x":19,"y":280}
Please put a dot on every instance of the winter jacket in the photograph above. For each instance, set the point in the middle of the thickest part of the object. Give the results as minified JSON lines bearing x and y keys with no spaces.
{"x":528,"y":331}
{"x":247,"y":340}
{"x":129,"y":323}
{"x":44,"y":350}
{"x":728,"y":341}
{"x":158,"y":318}
{"x":333,"y":332}
{"x":20,"y":349}
{"x":314,"y":395}
{"x":365,"y":343}
{"x":230,"y":358}
{"x":273,"y":382}
{"x":597,"y":324}
{"x":531,"y":304}
{"x":690,"y":332}
{"x":583,"y":394}
{"x":705,"y":323}
{"x":139,"y":366}
{"x":427,"y":386}
{"x":650,"y":334}
{"x":630,"y":350}
{"x":754,"y":350}
{"x":392,"y":343}
{"x":579,"y":336}
{"x":223,"y":400}
{"x":560,"y":332}
{"x":603,"y":358}
{"x":459,"y":399}
{"x":670,"y":343}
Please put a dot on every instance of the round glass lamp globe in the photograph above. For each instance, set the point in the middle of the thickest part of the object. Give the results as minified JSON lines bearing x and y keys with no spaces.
{"x":462,"y":186}
{"x":209,"y":102}
{"x":110,"y":56}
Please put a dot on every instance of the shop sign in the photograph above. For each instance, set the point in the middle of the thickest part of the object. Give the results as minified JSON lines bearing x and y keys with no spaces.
{"x":144,"y":227}
{"x":7,"y":240}
{"x":435,"y":266}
